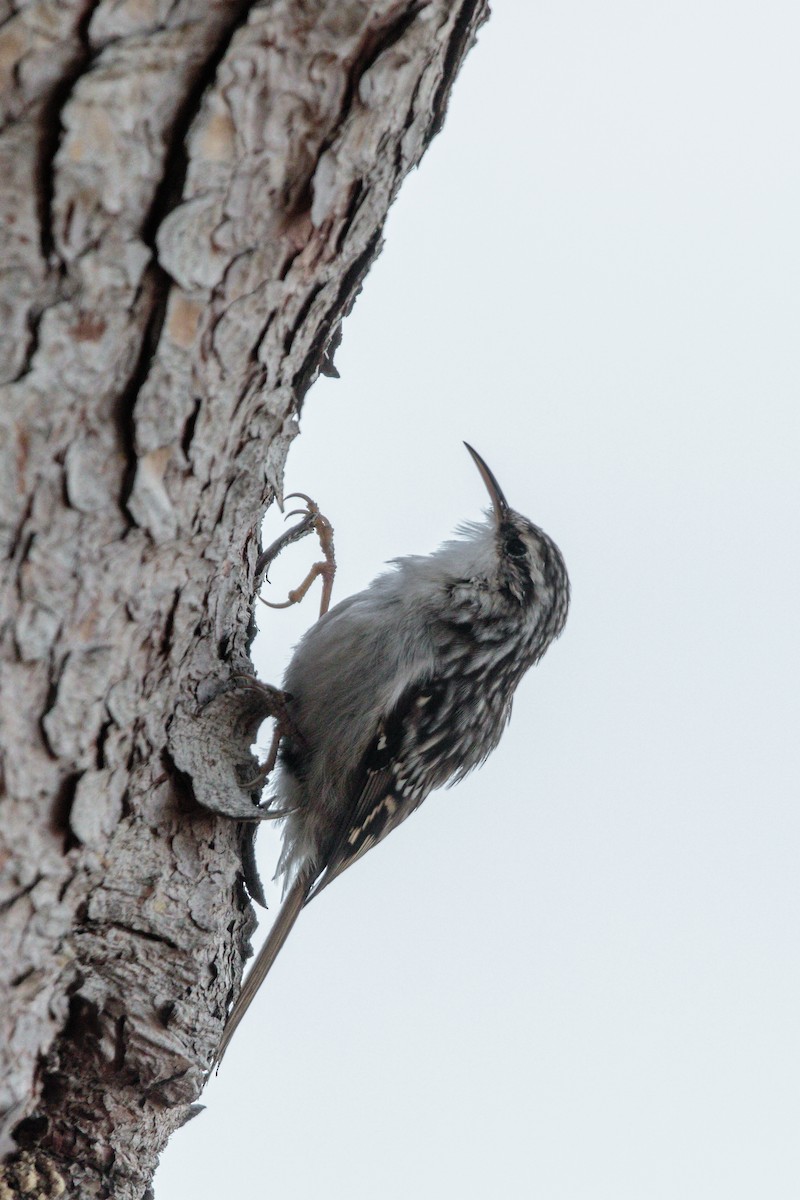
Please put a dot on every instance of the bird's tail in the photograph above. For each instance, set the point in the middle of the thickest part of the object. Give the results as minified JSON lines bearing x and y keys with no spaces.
{"x":289,"y":912}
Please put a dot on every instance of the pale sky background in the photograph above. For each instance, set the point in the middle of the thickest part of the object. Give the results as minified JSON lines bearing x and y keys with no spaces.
{"x":575,"y":976}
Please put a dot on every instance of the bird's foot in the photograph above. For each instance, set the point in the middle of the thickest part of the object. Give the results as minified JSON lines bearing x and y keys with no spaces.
{"x":276,"y":705}
{"x":313,"y":521}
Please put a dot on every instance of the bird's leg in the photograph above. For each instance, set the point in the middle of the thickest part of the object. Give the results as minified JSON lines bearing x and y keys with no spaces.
{"x":276,"y":706}
{"x":265,"y":770}
{"x":275,"y":700}
{"x":312,"y":520}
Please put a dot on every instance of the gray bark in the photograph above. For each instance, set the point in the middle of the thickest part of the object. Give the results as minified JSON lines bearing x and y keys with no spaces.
{"x":191,"y":193}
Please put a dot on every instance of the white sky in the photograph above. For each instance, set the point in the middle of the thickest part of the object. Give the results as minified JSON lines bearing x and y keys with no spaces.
{"x":575,"y":976}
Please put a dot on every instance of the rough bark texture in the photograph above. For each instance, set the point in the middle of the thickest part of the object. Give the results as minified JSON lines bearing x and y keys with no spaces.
{"x":191,"y":194}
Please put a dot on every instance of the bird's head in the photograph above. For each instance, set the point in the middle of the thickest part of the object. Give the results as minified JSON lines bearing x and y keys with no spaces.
{"x":527,"y":566}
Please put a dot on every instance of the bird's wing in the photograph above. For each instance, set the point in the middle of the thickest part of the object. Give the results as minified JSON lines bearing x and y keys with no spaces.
{"x":390,"y":784}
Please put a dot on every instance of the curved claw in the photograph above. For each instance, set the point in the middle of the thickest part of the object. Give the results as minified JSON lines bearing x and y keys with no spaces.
{"x":275,"y":814}
{"x":274,"y":604}
{"x":312,"y":505}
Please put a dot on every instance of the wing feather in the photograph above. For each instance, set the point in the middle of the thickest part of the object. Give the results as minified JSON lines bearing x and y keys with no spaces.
{"x":388,"y":787}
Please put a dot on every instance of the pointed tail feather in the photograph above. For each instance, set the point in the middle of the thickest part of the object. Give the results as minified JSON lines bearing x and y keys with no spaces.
{"x":289,"y":912}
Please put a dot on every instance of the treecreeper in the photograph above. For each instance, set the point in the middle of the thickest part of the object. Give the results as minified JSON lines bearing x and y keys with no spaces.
{"x":400,"y":689}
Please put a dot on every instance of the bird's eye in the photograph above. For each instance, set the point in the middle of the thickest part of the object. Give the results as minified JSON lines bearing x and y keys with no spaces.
{"x":515,"y":548}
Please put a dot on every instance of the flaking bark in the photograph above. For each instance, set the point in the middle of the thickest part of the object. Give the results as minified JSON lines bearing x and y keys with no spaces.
{"x":191,"y":194}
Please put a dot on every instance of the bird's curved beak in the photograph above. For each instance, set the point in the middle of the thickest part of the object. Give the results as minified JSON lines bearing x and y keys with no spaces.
{"x":499,"y":502}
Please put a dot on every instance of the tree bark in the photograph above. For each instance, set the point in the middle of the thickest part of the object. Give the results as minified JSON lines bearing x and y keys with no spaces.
{"x":192,"y":192}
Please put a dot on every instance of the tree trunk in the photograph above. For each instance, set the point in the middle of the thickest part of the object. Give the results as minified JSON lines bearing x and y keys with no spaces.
{"x":192,"y":193}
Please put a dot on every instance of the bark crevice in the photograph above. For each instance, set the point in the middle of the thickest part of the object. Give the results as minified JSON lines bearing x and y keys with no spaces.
{"x":167,"y":194}
{"x":51,"y":130}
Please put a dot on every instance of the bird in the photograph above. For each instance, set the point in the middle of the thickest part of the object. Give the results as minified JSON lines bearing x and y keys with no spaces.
{"x":400,"y":689}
